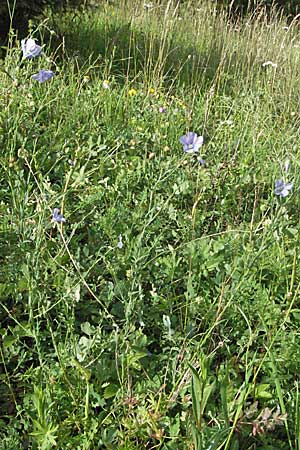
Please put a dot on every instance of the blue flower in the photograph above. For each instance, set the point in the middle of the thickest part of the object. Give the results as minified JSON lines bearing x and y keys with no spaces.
{"x":43,"y":75}
{"x":201,"y":161}
{"x":30,"y":49}
{"x":281,"y":188}
{"x":57,"y":217}
{"x":191,"y":142}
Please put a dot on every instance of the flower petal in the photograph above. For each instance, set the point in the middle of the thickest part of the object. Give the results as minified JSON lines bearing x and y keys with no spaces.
{"x":43,"y":75}
{"x":198,"y":143}
{"x":191,"y":137}
{"x":183,"y":140}
{"x":30,"y":49}
{"x":288,"y":186}
{"x":284,"y":193}
{"x":201,"y":161}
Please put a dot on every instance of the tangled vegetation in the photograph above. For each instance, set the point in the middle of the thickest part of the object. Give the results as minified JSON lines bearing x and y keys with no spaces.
{"x":149,"y":231}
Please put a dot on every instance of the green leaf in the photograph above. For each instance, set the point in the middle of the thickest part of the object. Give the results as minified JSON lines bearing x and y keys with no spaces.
{"x":87,"y":328}
{"x":261,"y":391}
{"x":110,"y":391}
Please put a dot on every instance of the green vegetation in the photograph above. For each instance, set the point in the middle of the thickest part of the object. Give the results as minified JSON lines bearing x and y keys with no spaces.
{"x":18,"y":12}
{"x":164,"y":313}
{"x":288,"y":7}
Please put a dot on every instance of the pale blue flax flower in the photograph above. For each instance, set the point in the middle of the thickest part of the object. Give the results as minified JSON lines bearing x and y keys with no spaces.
{"x":201,"y":161}
{"x":281,"y":188}
{"x":30,"y":49}
{"x":43,"y":75}
{"x":191,"y":142}
{"x":57,"y":217}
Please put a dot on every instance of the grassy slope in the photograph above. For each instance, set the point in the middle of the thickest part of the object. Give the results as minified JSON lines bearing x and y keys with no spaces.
{"x":185,"y":336}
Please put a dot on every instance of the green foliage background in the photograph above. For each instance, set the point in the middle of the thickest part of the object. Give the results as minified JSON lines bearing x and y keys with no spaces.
{"x":22,"y":10}
{"x":187,"y":336}
{"x":288,"y":6}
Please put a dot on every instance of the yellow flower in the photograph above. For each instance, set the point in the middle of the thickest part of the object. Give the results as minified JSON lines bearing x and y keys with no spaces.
{"x":132,"y":92}
{"x":151,"y":91}
{"x":129,"y":273}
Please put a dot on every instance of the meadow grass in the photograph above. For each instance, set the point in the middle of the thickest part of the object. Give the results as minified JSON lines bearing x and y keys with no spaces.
{"x":164,"y":313}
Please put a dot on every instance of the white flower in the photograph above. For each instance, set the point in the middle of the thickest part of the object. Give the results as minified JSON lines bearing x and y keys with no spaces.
{"x":270,"y":63}
{"x":120,"y":242}
{"x":30,"y":49}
